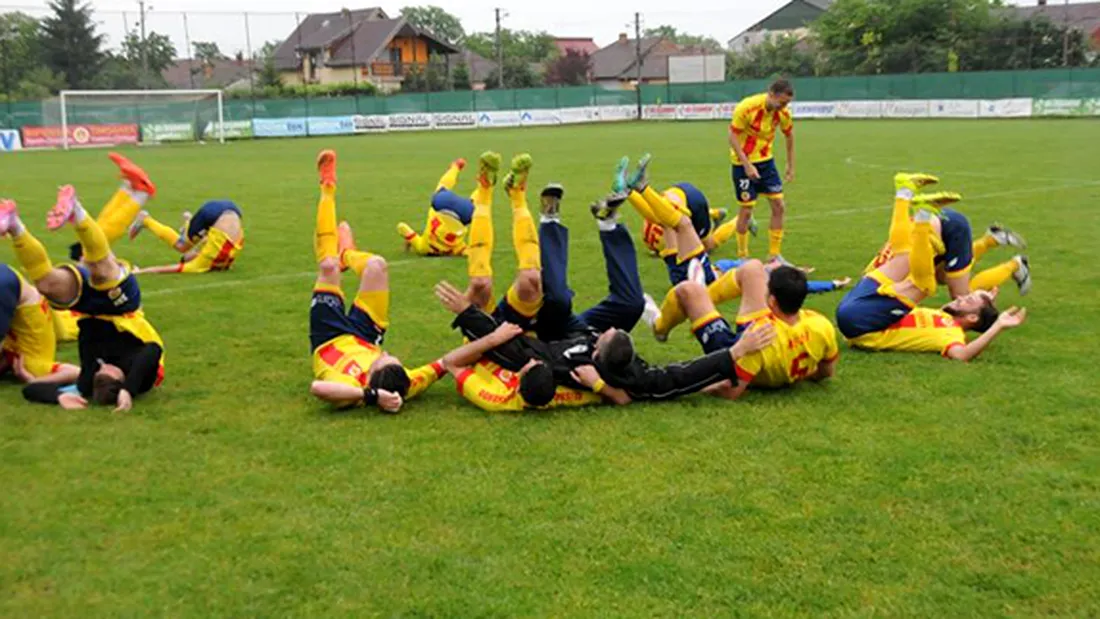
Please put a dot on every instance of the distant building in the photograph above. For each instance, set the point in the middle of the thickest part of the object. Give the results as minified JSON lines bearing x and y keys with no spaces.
{"x":576,"y":44}
{"x":791,"y":19}
{"x":1083,"y":17}
{"x":224,"y":73}
{"x":615,"y":66}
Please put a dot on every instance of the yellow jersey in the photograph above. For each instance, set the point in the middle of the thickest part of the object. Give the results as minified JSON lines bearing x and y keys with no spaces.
{"x":795,"y":354}
{"x":347,"y":359}
{"x":64,"y":324}
{"x":493,"y":388}
{"x":755,"y":128}
{"x":445,"y":234}
{"x":921,"y":330}
{"x":31,"y":336}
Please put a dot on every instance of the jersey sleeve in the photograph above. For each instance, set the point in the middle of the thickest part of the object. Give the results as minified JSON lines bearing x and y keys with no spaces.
{"x":740,"y":120}
{"x":828,"y":333}
{"x":749,"y":366}
{"x":487,"y":394}
{"x":423,"y":377}
{"x":786,"y":121}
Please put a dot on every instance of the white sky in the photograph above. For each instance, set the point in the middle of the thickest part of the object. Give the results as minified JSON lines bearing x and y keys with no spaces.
{"x":602,"y":20}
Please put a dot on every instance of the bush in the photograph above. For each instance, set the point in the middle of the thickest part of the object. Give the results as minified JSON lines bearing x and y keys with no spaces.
{"x":313,"y":91}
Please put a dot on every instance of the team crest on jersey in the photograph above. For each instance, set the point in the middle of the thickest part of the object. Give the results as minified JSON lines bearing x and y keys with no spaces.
{"x":745,"y":197}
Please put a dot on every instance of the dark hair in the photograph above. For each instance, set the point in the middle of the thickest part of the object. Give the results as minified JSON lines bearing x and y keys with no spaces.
{"x":392,"y":378}
{"x":105,"y":389}
{"x":617,"y":353}
{"x":986,"y":316}
{"x":781,"y":86}
{"x":536,"y":386}
{"x":788,"y":286}
{"x":76,"y":252}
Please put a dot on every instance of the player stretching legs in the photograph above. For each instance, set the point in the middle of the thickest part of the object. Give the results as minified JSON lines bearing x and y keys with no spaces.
{"x":448,"y":216}
{"x":882,"y":313}
{"x":29,"y":344}
{"x":209,"y":241}
{"x":349,"y":366}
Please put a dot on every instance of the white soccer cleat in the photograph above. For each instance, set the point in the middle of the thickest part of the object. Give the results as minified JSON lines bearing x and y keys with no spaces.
{"x":138,"y":225}
{"x":696,"y":273}
{"x":650,"y":315}
{"x":1005,"y":236}
{"x":1022,"y":276}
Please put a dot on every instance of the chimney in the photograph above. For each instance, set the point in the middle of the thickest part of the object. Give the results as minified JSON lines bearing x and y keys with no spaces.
{"x":1042,"y":2}
{"x":622,"y":37}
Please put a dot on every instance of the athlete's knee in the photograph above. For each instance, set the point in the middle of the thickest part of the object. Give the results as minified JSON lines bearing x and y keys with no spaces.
{"x":58,"y":285}
{"x":688,"y":293}
{"x":751,"y":270}
{"x":480,"y":292}
{"x":779,"y":207}
{"x":377,"y":267}
{"x":529,"y":285}
{"x":328,"y":268}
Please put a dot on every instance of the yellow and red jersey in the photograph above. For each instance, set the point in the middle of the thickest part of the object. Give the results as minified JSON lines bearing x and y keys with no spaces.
{"x":31,"y":336}
{"x":795,"y":354}
{"x":921,"y":330}
{"x":347,"y":359}
{"x":755,"y":126}
{"x":493,"y":388}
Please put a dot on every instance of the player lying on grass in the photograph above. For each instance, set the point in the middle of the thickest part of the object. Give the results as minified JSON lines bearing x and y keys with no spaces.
{"x":28,"y":343}
{"x":882,"y":311}
{"x":814,"y":286}
{"x":209,"y":241}
{"x":349,"y":366}
{"x":449,"y":214}
{"x":122,"y":355}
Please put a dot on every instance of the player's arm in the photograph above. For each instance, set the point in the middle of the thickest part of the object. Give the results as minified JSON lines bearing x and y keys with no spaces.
{"x":343,"y":396}
{"x":825,"y":369}
{"x":588,"y":376}
{"x":168,"y":268}
{"x":461,"y":358}
{"x":787,"y":126}
{"x":1009,"y":319}
{"x":727,"y":390}
{"x":738,"y":125}
{"x":64,"y":373}
{"x":52,"y":393}
{"x":746,"y":362}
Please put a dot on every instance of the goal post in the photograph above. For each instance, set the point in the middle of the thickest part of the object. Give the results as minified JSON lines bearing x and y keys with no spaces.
{"x":97,"y":117}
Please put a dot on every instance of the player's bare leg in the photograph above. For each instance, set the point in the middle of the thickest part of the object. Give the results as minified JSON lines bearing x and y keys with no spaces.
{"x":98,"y":258}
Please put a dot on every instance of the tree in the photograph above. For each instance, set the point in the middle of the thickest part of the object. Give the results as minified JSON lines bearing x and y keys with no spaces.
{"x":20,"y":50}
{"x":517,"y":44}
{"x":1035,"y":43}
{"x":684,"y":39}
{"x":517,"y":74}
{"x":572,"y":69}
{"x":437,"y":21}
{"x":157,"y":52}
{"x":268,"y":75}
{"x":432,"y":77}
{"x":780,"y":55}
{"x":207,"y":53}
{"x":70,"y":45}
{"x":460,"y":77}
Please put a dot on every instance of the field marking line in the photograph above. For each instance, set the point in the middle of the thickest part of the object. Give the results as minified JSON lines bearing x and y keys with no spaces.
{"x":877,"y":166}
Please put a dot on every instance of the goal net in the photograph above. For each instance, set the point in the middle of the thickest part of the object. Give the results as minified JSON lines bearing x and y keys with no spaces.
{"x":78,"y":118}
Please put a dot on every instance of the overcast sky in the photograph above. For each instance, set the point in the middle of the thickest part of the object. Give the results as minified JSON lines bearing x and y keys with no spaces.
{"x":602,"y":20}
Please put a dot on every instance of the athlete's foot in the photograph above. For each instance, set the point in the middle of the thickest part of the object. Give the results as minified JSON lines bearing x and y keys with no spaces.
{"x":607,"y":208}
{"x":138,"y":224}
{"x":913,"y":181}
{"x":754,"y":229}
{"x":62,"y":211}
{"x":719,"y":215}
{"x":488,"y":164}
{"x":1005,"y":236}
{"x":550,"y":200}
{"x":326,"y":168}
{"x":618,"y":182}
{"x":650,"y":315}
{"x":639,"y":180}
{"x":459,"y":163}
{"x":9,"y":215}
{"x":935,"y":201}
{"x":516,"y":179}
{"x":1022,"y":276}
{"x":186,"y":224}
{"x":133,"y":174}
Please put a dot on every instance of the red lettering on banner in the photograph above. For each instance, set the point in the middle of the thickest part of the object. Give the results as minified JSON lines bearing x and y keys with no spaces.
{"x":80,"y":135}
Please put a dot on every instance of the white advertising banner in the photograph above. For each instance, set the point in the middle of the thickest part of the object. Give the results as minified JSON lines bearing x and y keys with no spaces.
{"x":859,"y":109}
{"x":498,"y":119}
{"x":1004,"y":108}
{"x":573,"y":115}
{"x":905,"y":109}
{"x":234,"y":129}
{"x":410,"y":122}
{"x":540,"y":117}
{"x":807,"y":109}
{"x":697,"y":111}
{"x":615,"y":113}
{"x":953,"y":108}
{"x":725,"y":110}
{"x":377,"y":123}
{"x":659,"y":112}
{"x":455,"y":120}
{"x":9,"y":140}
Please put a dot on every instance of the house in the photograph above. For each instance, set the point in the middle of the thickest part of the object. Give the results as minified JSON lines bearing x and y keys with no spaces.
{"x":1083,"y":16}
{"x":576,"y":44}
{"x":224,"y":73}
{"x":479,"y":67}
{"x":791,"y":19}
{"x":615,"y":66}
{"x":364,"y":45}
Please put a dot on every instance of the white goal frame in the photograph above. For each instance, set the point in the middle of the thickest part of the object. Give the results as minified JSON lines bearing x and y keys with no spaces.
{"x":64,"y":94}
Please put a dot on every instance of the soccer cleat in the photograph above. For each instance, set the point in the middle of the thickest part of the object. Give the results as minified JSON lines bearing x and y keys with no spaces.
{"x":935,"y":201}
{"x":488,"y":164}
{"x":326,"y":167}
{"x":639,"y":180}
{"x":459,"y":163}
{"x":607,"y":208}
{"x":696,"y":272}
{"x":650,"y":315}
{"x":1005,"y":236}
{"x":913,"y":181}
{"x":138,"y":224}
{"x":133,"y":174}
{"x":777,"y":261}
{"x":754,"y":229}
{"x":1022,"y":276}
{"x":516,"y":179}
{"x":550,"y":198}
{"x":618,"y":182}
{"x":719,"y":215}
{"x":186,"y":224}
{"x":62,"y":211}
{"x":8,"y":213}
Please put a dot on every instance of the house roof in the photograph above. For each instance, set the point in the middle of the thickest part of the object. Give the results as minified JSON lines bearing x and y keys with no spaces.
{"x":584,"y":45}
{"x":1083,"y":16}
{"x":220,"y":74}
{"x":480,"y":67}
{"x":793,"y":14}
{"x":617,"y":61}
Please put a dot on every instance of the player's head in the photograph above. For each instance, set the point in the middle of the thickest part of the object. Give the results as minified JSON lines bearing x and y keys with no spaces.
{"x":974,"y":311}
{"x":614,"y":350}
{"x":106,"y":384}
{"x":387,"y":374}
{"x":780,"y":94}
{"x":536,"y":383}
{"x":787,"y":289}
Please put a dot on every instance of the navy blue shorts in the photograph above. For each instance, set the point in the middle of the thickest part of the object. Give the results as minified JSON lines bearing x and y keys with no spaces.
{"x":10,"y":289}
{"x":958,"y":241}
{"x":719,"y":335}
{"x":863,"y":310}
{"x":504,"y":312}
{"x":327,"y":320}
{"x":205,"y":217}
{"x":114,"y":301}
{"x":679,"y":272}
{"x":699,"y":207}
{"x":747,"y":189}
{"x":447,"y":201}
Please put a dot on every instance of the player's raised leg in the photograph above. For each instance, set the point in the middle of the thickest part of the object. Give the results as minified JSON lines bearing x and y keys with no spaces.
{"x":525,"y":294}
{"x":95,"y":246}
{"x":479,"y":249}
{"x":1017,"y":269}
{"x":625,"y":301}
{"x":119,"y":213}
{"x":57,"y":285}
{"x":325,"y":241}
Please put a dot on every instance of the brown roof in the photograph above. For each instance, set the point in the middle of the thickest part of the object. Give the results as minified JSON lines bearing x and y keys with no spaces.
{"x":617,"y":61}
{"x":578,"y":44}
{"x":221,"y":73}
{"x":319,"y":29}
{"x":480,"y":67}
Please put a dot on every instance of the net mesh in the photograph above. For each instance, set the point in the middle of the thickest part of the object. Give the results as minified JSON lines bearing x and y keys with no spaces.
{"x":183,"y":116}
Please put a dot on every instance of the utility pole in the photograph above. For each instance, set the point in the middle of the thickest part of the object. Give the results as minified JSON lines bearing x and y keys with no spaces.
{"x":144,"y":59}
{"x":1065,"y":35}
{"x":638,"y":61}
{"x":500,"y":53}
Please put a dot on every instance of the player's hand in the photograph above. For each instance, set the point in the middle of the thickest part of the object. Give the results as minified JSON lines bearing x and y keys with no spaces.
{"x":586,"y":375}
{"x":752,"y":172}
{"x":1012,"y":317}
{"x":19,"y":368}
{"x":842,"y":283}
{"x":389,"y":401}
{"x":72,"y":401}
{"x":451,"y":297}
{"x":125,"y":402}
{"x":754,"y":339}
{"x":506,"y":332}
{"x":789,"y":176}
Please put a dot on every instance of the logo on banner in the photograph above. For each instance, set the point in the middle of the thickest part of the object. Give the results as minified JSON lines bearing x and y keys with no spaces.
{"x":410,"y":121}
{"x":81,"y":135}
{"x":9,"y":140}
{"x":371,"y":123}
{"x":456,"y":119}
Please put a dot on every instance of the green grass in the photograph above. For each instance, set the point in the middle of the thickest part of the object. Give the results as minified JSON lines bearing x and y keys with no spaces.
{"x":908,"y":485}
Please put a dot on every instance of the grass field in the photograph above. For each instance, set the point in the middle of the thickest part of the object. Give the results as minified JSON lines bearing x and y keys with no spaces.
{"x":908,"y":485}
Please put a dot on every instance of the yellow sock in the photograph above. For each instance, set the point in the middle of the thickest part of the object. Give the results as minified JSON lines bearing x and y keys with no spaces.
{"x":775,"y":242}
{"x":722,"y":234}
{"x":376,"y":303}
{"x":324,"y":237}
{"x":714,"y":214}
{"x":724,"y":288}
{"x":449,"y":178}
{"x":165,"y":233}
{"x":663,"y":210}
{"x":743,"y":244}
{"x":115,"y":218}
{"x":355,"y":259}
{"x":672,"y":314}
{"x":524,"y":236}
{"x":482,"y":195}
{"x":642,"y":206}
{"x":93,"y":240}
{"x":922,"y":270}
{"x":901,"y":226}
{"x":32,"y":256}
{"x":993,"y":277}
{"x":479,"y":252}
{"x":982,"y":245}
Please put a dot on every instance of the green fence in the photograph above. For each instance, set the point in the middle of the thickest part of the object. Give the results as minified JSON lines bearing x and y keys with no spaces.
{"x":1043,"y":84}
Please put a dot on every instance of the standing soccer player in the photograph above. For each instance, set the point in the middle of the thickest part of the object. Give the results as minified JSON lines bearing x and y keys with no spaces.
{"x":752,"y":138}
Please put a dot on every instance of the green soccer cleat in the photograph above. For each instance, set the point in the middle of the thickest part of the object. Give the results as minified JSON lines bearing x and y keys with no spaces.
{"x":488,"y":164}
{"x":619,"y":183}
{"x":913,"y":181}
{"x":516,"y":179}
{"x":640,"y":179}
{"x":934,"y":202}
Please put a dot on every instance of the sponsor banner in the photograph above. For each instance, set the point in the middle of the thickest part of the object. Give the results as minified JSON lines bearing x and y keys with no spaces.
{"x":279,"y":127}
{"x":9,"y":140}
{"x":330,"y":125}
{"x":659,"y":112}
{"x":905,"y":109}
{"x":953,"y":108}
{"x":379,"y":123}
{"x":498,"y":119}
{"x":168,"y":132}
{"x":572,"y":115}
{"x":613,"y":113}
{"x":859,"y":109}
{"x":806,"y":109}
{"x":529,"y":118}
{"x":725,"y":110}
{"x":1066,"y":107}
{"x":455,"y":120}
{"x":80,"y":135}
{"x":410,"y":122}
{"x":1004,"y":108}
{"x":697,"y":111}
{"x":234,"y":129}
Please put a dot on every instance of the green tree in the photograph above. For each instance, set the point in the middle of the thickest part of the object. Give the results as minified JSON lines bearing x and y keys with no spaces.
{"x":70,"y":45}
{"x":437,"y":21}
{"x":431,"y":77}
{"x":157,"y":51}
{"x":1035,"y":43}
{"x":517,"y":74}
{"x":670,"y":33}
{"x":460,"y":77}
{"x":206,"y":52}
{"x":20,"y":50}
{"x":779,"y":55}
{"x":516,"y":44}
{"x":267,"y":75}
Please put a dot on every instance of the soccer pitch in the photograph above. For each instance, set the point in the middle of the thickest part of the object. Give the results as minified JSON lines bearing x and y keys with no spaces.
{"x":907,"y":485}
